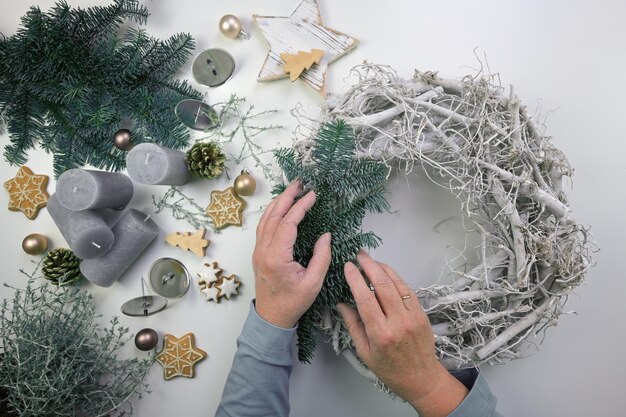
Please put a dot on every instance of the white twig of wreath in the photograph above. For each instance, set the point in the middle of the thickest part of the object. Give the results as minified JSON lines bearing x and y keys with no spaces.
{"x":480,"y":143}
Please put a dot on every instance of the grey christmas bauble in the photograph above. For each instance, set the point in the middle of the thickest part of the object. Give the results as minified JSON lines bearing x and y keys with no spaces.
{"x":146,"y":339}
{"x":122,"y":140}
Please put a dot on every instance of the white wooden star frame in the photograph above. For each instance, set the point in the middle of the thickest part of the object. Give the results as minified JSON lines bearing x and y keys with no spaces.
{"x":302,"y":31}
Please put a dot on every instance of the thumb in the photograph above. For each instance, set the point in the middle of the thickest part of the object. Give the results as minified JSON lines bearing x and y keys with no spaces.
{"x":355,"y":327}
{"x":319,"y":263}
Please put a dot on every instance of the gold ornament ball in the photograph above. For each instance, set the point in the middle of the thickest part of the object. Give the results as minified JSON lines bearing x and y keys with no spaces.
{"x":122,"y":140}
{"x":230,"y":26}
{"x":146,"y":339}
{"x":245,"y":184}
{"x":35,"y":244}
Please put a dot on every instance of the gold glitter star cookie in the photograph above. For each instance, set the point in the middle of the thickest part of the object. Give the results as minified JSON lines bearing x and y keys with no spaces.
{"x":179,"y":356}
{"x":27,"y":192}
{"x":226,"y":208}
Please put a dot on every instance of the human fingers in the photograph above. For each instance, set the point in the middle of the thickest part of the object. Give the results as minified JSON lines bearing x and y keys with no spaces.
{"x":407,"y":295}
{"x":366,"y":302}
{"x":260,"y":229}
{"x":320,"y":261}
{"x":287,"y":230}
{"x":385,"y":289}
{"x":355,"y":327}
{"x":280,"y":207}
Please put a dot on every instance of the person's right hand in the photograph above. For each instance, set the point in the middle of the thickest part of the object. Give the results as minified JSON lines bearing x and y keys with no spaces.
{"x":393,"y":336}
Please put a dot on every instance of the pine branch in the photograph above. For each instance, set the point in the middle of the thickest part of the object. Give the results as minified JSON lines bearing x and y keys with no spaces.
{"x":72,"y":79}
{"x":347,"y":189}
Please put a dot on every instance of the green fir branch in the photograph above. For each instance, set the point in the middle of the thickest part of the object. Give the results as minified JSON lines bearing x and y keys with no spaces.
{"x":347,"y":189}
{"x":86,"y":67}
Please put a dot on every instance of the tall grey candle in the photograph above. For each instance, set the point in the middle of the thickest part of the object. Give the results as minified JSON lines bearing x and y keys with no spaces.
{"x":148,"y":163}
{"x":86,"y":232}
{"x":81,"y":189}
{"x":133,"y":232}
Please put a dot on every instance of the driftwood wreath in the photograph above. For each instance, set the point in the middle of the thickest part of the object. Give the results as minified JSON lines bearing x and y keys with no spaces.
{"x":475,"y":139}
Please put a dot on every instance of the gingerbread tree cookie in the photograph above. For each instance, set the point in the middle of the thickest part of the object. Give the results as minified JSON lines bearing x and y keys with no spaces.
{"x":27,"y":192}
{"x":179,"y":356}
{"x":226,"y":208}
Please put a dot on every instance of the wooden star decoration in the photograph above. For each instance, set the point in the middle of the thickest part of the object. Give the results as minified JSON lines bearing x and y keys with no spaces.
{"x":226,"y":208}
{"x":302,"y":31}
{"x":27,"y":192}
{"x":179,"y":356}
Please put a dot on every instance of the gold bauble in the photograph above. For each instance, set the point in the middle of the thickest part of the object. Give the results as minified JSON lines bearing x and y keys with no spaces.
{"x":230,"y":26}
{"x":35,"y":244}
{"x":245,"y":184}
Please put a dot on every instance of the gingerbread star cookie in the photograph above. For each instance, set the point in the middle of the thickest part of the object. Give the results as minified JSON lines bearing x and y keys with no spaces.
{"x":27,"y":192}
{"x":226,"y":208}
{"x":210,"y":274}
{"x":228,"y":286}
{"x":179,"y":356}
{"x":212,"y":293}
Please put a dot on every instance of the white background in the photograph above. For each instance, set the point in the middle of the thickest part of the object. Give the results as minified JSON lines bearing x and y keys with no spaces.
{"x":567,"y":56}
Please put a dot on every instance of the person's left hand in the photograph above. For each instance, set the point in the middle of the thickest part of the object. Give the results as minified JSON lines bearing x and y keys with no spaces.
{"x":284,"y":288}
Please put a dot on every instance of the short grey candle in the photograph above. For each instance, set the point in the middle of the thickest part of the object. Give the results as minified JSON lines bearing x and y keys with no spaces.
{"x":81,"y":189}
{"x":133,"y":232}
{"x":86,"y":232}
{"x":148,"y":163}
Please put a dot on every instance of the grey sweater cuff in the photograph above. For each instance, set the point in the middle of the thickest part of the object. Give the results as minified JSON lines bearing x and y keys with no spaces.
{"x":480,"y":402}
{"x":271,"y":342}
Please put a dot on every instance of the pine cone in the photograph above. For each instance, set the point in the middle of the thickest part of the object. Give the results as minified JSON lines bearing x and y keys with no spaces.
{"x":60,"y":267}
{"x":205,"y":159}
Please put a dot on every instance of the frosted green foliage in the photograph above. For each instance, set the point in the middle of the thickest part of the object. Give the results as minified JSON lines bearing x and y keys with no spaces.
{"x":56,"y":360}
{"x":69,"y":77}
{"x":347,"y":189}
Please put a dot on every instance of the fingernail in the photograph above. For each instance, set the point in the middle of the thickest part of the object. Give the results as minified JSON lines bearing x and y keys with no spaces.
{"x":349,"y":267}
{"x":362,"y":252}
{"x":327,"y":237}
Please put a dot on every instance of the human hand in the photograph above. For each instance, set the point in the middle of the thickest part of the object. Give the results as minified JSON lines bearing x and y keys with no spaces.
{"x":393,"y":336}
{"x":284,"y":288}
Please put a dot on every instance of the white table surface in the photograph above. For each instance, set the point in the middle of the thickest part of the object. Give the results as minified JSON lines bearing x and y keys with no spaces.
{"x":564,"y":56}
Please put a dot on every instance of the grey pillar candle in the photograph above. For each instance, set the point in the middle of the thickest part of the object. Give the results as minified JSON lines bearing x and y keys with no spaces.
{"x":86,"y":232}
{"x":133,"y":232}
{"x":148,"y":163}
{"x":81,"y":189}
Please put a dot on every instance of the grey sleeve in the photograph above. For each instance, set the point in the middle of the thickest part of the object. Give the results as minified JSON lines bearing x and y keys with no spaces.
{"x":258,"y":382}
{"x":480,"y":402}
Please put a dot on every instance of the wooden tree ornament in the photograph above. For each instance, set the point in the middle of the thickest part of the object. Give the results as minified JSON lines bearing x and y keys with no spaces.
{"x":295,"y":64}
{"x":195,"y":242}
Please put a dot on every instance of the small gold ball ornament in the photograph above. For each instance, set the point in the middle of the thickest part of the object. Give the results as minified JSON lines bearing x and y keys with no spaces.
{"x":245,"y":184}
{"x":122,"y":140}
{"x":231,"y":27}
{"x":35,"y":244}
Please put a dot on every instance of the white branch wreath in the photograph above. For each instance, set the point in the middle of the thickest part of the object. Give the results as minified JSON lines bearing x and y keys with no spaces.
{"x":481,"y":144}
